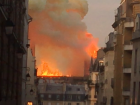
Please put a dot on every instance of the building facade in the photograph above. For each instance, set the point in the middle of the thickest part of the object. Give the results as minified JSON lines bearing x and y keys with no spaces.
{"x":12,"y":13}
{"x":109,"y":70}
{"x":95,"y":67}
{"x":60,"y":94}
{"x":123,"y":26}
{"x":31,"y":86}
{"x":135,"y":74}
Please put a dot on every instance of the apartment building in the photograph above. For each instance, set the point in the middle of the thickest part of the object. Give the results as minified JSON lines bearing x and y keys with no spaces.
{"x":94,"y":78}
{"x":60,"y":94}
{"x":109,"y":70}
{"x":12,"y":47}
{"x":92,"y":95}
{"x":123,"y":27}
{"x":135,"y":74}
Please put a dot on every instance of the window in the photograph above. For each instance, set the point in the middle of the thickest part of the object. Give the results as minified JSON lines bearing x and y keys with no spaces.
{"x":137,"y":26}
{"x":69,"y":103}
{"x":134,"y":88}
{"x":49,"y":96}
{"x":78,"y":89}
{"x":78,"y":97}
{"x":57,"y":96}
{"x":78,"y":104}
{"x":69,"y":97}
{"x":135,"y":65}
{"x":106,"y":64}
{"x":42,"y":95}
{"x":126,"y":101}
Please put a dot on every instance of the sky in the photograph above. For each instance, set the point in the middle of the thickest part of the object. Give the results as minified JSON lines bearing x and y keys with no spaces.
{"x":100,"y":18}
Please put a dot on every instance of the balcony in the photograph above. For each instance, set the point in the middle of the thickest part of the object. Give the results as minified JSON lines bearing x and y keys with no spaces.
{"x":126,"y":92}
{"x":129,"y":23}
{"x":127,"y":70}
{"x":136,"y":35}
{"x":133,"y":2}
{"x":128,"y":46}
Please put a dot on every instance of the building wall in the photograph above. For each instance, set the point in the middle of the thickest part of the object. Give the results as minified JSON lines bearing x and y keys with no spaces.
{"x":10,"y":63}
{"x":31,"y":84}
{"x":92,"y":99}
{"x":135,"y":91}
{"x":118,"y":68}
{"x":122,"y":57}
{"x":109,"y":74}
{"x":25,"y":41}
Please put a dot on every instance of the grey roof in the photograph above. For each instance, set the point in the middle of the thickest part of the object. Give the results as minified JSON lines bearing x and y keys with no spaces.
{"x":54,"y":88}
{"x":75,"y":89}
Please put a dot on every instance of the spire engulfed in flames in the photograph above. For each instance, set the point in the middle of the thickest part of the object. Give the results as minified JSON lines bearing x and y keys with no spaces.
{"x":46,"y":71}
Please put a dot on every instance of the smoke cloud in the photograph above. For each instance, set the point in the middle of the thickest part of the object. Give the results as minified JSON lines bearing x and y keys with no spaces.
{"x":60,"y":36}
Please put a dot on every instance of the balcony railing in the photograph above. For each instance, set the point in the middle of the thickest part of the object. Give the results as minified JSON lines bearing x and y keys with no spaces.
{"x":136,"y":35}
{"x":128,"y":46}
{"x":127,"y":70}
{"x":129,"y":23}
{"x":126,"y":92}
{"x":135,"y":2}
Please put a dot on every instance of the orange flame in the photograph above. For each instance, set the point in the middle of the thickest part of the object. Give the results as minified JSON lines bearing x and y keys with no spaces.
{"x":92,"y":48}
{"x":46,"y":71}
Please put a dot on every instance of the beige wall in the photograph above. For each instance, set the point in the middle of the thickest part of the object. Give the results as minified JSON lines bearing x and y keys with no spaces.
{"x":92,"y":100}
{"x":135,"y":77}
{"x":109,"y":73}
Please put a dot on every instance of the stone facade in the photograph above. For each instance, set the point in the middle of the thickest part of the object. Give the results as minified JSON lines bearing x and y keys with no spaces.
{"x":135,"y":75}
{"x":61,"y":94}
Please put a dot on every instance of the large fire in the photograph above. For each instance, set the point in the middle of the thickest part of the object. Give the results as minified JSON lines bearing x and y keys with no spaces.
{"x":46,"y":71}
{"x":60,"y":35}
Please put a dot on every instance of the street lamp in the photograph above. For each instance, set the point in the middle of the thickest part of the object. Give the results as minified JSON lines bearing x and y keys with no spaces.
{"x":9,"y":26}
{"x":28,"y":77}
{"x":28,"y":45}
{"x":31,"y":92}
{"x":101,"y":63}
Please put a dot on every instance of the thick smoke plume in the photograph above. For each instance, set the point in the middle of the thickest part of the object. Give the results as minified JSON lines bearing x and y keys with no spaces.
{"x":60,"y":36}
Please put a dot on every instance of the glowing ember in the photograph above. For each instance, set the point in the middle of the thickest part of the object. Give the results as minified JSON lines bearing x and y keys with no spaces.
{"x":46,"y":71}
